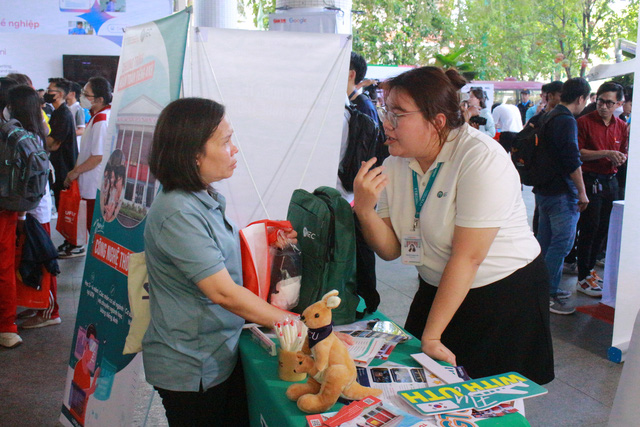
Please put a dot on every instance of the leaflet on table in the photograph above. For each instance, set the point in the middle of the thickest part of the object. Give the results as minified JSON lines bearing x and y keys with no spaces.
{"x":364,"y":350}
{"x":392,"y":378}
{"x":482,"y":393}
{"x":368,"y":333}
{"x":368,"y":412}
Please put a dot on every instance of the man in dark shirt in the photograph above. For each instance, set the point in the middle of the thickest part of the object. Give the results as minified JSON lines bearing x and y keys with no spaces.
{"x":561,"y":199}
{"x":525,"y":104}
{"x":365,"y":257}
{"x":603,"y":143}
{"x":61,"y":142}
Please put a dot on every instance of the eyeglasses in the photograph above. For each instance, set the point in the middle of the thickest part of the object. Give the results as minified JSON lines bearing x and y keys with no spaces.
{"x":608,"y":103}
{"x":87,"y":95}
{"x":392,"y":117}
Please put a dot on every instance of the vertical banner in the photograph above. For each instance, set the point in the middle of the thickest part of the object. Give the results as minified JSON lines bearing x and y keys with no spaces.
{"x":101,"y":381}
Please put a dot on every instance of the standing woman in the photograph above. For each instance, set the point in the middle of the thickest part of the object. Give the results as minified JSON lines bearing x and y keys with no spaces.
{"x":198,"y":304}
{"x":24,"y":105}
{"x":453,"y":193}
{"x":96,"y":97}
{"x":478,"y":100}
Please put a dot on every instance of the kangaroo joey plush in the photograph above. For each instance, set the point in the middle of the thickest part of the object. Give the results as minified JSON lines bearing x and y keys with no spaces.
{"x":326,"y":359}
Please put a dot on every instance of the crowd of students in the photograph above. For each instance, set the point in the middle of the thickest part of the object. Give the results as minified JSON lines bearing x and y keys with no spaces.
{"x":58,"y":117}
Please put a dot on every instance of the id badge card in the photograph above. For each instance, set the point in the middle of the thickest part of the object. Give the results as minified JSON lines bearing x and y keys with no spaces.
{"x":412,"y":248}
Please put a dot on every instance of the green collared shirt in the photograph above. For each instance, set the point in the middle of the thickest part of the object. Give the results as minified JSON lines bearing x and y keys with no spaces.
{"x":190,"y":339}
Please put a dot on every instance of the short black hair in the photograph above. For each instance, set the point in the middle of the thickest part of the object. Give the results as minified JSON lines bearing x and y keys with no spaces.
{"x":628,"y":93}
{"x":573,"y":89}
{"x":63,"y":84}
{"x":359,"y":65}
{"x":612,"y":87}
{"x":101,"y":88}
{"x":76,"y":89}
{"x":478,"y":92}
{"x":5,"y":85}
{"x":553,"y":87}
{"x":22,"y":79}
{"x":91,"y":331}
{"x":183,"y":128}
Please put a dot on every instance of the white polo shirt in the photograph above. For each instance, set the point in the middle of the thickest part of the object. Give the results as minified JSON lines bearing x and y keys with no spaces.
{"x":92,"y":145}
{"x":477,"y":187}
{"x":507,"y":118}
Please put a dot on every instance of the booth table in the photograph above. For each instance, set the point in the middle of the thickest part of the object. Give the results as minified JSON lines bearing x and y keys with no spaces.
{"x":269,"y":406}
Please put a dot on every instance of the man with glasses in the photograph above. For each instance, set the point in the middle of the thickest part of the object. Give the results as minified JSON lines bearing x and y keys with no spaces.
{"x":603,"y":143}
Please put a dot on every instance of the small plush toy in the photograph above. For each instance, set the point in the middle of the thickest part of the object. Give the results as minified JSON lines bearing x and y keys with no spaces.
{"x":332,"y":372}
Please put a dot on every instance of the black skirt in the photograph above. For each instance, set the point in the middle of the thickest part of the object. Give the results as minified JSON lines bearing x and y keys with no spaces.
{"x":498,"y":328}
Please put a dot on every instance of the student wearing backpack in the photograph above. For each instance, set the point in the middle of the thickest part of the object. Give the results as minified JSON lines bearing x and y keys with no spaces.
{"x":24,"y":105}
{"x":561,"y":199}
{"x":9,"y":337}
{"x":453,"y":192}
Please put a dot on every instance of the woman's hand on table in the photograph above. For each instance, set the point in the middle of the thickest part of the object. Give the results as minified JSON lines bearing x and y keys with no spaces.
{"x":368,"y":185}
{"x":436,"y":350}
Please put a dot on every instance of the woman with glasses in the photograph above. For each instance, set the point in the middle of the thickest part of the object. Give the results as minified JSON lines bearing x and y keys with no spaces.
{"x":453,"y":194}
{"x":96,"y":97}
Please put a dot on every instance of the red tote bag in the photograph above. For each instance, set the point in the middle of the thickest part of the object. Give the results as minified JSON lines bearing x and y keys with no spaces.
{"x":72,"y":216}
{"x":255,"y":239}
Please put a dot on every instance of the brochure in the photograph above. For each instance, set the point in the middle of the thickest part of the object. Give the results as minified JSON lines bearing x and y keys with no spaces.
{"x":482,"y":393}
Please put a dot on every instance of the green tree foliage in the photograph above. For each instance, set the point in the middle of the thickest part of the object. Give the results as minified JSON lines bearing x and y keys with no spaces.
{"x":525,"y":39}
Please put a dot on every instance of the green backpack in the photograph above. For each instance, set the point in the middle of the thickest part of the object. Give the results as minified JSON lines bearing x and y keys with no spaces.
{"x":324,"y":223}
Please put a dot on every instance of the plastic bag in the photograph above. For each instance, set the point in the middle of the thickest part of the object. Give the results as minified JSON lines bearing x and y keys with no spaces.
{"x":286,"y":276}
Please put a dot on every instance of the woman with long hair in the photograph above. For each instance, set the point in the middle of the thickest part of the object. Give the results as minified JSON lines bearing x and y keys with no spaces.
{"x":452,"y":193}
{"x":24,"y":105}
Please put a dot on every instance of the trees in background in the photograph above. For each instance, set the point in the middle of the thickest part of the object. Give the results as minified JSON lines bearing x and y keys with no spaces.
{"x":525,"y":39}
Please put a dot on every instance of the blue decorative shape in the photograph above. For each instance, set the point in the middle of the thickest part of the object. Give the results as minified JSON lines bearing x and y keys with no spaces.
{"x":95,"y":17}
{"x":615,"y":355}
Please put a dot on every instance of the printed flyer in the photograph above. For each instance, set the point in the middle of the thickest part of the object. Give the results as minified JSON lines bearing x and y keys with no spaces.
{"x":100,"y":379}
{"x":482,"y":393}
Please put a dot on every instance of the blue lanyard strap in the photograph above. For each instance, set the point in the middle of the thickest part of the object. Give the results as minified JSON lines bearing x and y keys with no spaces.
{"x":419,"y":201}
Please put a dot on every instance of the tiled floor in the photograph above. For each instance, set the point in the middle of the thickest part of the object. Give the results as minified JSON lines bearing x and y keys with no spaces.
{"x":32,"y":375}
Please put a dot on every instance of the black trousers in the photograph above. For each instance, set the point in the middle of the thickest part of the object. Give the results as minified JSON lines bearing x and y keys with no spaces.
{"x":365,"y":270}
{"x":498,"y":328}
{"x":593,"y":225}
{"x":222,"y":405}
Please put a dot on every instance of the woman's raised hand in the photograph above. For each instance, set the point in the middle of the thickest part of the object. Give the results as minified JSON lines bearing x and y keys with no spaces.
{"x":367,"y":186}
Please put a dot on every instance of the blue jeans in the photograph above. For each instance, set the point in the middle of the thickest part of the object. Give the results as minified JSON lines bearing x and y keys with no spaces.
{"x":556,"y":232}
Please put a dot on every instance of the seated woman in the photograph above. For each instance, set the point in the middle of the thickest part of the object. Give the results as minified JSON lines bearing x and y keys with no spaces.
{"x":197,"y":301}
{"x":452,"y":193}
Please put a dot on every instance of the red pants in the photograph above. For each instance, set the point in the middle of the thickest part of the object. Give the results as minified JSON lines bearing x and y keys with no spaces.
{"x":52,"y":311}
{"x":8,"y":223}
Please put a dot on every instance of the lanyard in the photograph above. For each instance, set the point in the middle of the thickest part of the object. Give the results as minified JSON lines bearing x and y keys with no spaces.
{"x":419,"y":201}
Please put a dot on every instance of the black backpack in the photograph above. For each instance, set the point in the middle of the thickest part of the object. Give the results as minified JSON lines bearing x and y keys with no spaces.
{"x":531,"y":155}
{"x":365,"y":137}
{"x":24,"y":168}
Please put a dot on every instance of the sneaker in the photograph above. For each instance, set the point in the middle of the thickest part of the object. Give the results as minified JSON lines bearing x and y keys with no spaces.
{"x":40,"y":322}
{"x":557,"y":306}
{"x":10,"y":339}
{"x":72,"y":252}
{"x":562,"y":294}
{"x":570,"y":268}
{"x":593,"y":273}
{"x":62,"y":249}
{"x":589,"y":286}
{"x":25,"y":314}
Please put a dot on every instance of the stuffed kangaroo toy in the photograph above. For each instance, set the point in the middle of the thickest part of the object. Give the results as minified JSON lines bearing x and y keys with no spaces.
{"x":332,"y":372}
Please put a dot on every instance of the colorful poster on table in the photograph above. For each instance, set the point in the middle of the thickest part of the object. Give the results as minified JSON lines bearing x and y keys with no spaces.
{"x":482,"y":393}
{"x":101,"y":381}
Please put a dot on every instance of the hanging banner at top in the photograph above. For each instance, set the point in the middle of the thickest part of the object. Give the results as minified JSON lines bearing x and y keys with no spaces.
{"x":104,"y":18}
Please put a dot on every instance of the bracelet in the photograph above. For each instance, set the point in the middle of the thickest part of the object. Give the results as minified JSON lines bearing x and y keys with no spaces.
{"x":22,"y":218}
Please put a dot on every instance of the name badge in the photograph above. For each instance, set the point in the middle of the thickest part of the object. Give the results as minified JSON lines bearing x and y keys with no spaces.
{"x":412,"y":248}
